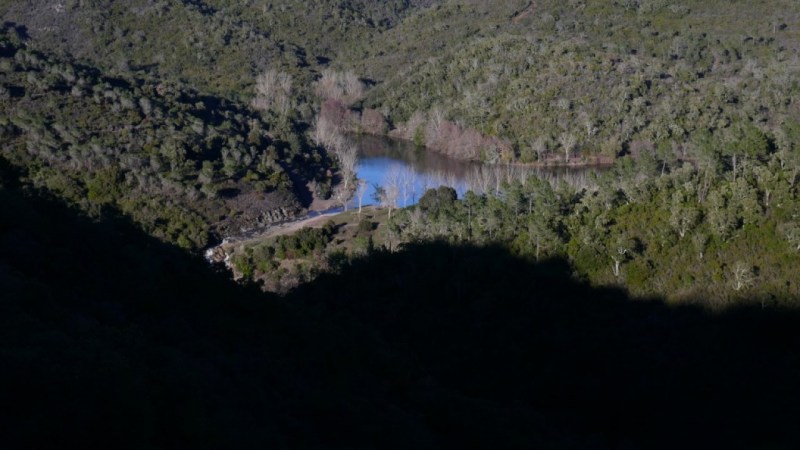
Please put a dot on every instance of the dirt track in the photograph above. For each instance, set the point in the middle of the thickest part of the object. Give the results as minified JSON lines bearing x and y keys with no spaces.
{"x":524,"y":13}
{"x":278,"y":230}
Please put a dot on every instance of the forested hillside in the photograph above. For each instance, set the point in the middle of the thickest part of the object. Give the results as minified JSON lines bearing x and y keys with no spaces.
{"x":182,"y":163}
{"x":653,"y":306}
{"x":550,"y":81}
{"x":216,"y":46}
{"x":153,"y":108}
{"x":585,"y":78}
{"x":709,"y":235}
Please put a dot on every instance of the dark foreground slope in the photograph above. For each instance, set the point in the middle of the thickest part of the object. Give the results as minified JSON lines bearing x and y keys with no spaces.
{"x":111,"y":338}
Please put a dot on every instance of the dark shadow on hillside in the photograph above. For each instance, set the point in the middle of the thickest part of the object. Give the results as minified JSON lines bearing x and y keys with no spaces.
{"x":300,"y":187}
{"x":517,"y":353}
{"x":110,"y":338}
{"x":21,"y":30}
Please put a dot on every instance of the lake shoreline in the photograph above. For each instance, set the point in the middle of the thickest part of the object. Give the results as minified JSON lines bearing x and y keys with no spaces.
{"x":583,"y":162}
{"x":416,"y":170}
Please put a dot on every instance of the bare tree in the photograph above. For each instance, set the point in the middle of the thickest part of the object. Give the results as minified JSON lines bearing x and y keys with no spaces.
{"x":373,"y":122}
{"x":426,"y":183}
{"x":540,"y":147}
{"x":437,"y":116}
{"x":412,"y":178}
{"x":435,"y":131}
{"x":326,"y":134}
{"x":451,"y":180}
{"x":414,"y":125}
{"x":741,"y":275}
{"x":341,"y":196}
{"x":700,"y":242}
{"x":273,"y":92}
{"x":567,"y":141}
{"x":621,"y":252}
{"x":683,"y":216}
{"x":407,"y":179}
{"x":391,"y":189}
{"x":343,"y":86}
{"x":360,"y":191}
{"x":347,"y":157}
{"x":512,"y":172}
{"x":791,"y":231}
{"x":483,"y":178}
{"x":589,"y":125}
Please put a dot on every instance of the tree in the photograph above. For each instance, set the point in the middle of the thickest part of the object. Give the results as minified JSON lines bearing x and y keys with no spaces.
{"x":360,"y":191}
{"x":788,"y":140}
{"x":387,"y":194}
{"x":539,"y":146}
{"x":567,"y":141}
{"x":666,"y":153}
{"x":326,"y":133}
{"x":273,"y":92}
{"x":791,"y":232}
{"x":683,"y":215}
{"x":709,"y":162}
{"x":341,"y":86}
{"x":492,"y":216}
{"x":742,"y":276}
{"x":346,"y":156}
{"x":744,"y":201}
{"x":373,"y":122}
{"x":437,"y":202}
{"x":745,"y":140}
{"x":334,"y":119}
{"x":514,"y":196}
{"x":437,"y":130}
{"x":408,"y":180}
{"x":621,"y":250}
{"x":392,"y":184}
{"x":719,"y":215}
{"x":700,"y":242}
{"x":472,"y":202}
{"x":378,"y":193}
{"x":543,"y":214}
{"x":588,"y":124}
{"x":752,"y":142}
{"x":541,"y":234}
{"x":769,"y":182}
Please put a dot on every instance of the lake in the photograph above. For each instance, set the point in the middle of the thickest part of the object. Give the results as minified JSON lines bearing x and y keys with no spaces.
{"x":410,"y":171}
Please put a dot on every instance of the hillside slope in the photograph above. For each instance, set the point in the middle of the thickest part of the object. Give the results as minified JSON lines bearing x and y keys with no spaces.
{"x":552,"y":79}
{"x":109,"y":337}
{"x":588,"y":77}
{"x":216,"y":46}
{"x":185,"y":165}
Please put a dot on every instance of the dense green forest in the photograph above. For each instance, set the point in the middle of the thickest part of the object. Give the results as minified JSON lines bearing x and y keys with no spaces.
{"x":583,"y":80}
{"x":562,"y":79}
{"x":215,"y":46}
{"x":653,"y":307}
{"x":707,"y":235}
{"x":183,"y":164}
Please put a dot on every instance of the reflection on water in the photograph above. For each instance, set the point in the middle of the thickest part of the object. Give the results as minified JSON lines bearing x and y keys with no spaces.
{"x":409,"y":171}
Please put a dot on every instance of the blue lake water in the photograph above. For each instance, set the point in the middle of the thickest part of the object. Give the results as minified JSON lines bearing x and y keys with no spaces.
{"x":410,"y":171}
